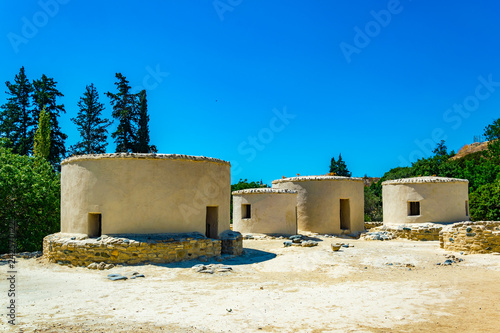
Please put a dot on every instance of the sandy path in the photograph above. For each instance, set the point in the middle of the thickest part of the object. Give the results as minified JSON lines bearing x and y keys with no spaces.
{"x":271,"y":288}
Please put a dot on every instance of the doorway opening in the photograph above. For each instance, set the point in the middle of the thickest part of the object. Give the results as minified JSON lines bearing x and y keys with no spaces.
{"x":345,"y":214}
{"x":94,"y":225}
{"x":212,"y":222}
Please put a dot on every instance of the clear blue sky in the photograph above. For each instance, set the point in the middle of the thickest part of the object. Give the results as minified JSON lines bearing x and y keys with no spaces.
{"x":369,"y":79}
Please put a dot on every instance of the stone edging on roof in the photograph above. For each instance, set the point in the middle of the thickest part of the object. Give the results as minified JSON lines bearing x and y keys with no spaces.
{"x":315,"y":178}
{"x":264,"y":191}
{"x":424,"y":180}
{"x":138,"y":156}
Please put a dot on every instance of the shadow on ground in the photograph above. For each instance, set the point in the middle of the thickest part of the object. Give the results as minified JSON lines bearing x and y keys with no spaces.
{"x":249,"y":256}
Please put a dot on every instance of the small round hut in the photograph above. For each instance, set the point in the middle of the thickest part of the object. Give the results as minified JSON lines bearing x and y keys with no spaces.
{"x":425,"y":199}
{"x":265,"y":211}
{"x":327,"y":204}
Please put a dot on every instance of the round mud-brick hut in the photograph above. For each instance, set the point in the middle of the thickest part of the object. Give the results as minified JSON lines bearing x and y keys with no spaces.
{"x":265,"y":211}
{"x":327,"y":204}
{"x":425,"y":199}
{"x":144,"y":194}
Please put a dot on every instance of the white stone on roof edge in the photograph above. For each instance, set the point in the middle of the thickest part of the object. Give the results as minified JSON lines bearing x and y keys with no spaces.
{"x":315,"y":178}
{"x":423,"y":180}
{"x":264,"y":191}
{"x":140,"y":156}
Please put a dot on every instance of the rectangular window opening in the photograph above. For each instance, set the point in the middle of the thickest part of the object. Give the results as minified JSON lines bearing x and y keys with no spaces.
{"x":466,"y":207}
{"x":94,"y":229}
{"x":413,"y":208}
{"x":246,"y":211}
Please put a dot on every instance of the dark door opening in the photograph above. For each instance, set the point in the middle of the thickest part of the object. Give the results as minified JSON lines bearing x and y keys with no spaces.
{"x":345,"y":214}
{"x":212,"y":222}
{"x":94,"y":225}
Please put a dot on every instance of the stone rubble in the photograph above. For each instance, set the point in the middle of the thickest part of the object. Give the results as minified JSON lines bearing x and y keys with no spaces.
{"x":416,"y":232}
{"x":211,"y":269}
{"x":471,"y":237}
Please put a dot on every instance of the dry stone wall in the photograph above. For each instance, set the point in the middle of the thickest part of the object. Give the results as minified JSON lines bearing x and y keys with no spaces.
{"x":370,"y":225}
{"x":416,"y":232}
{"x":471,"y":237}
{"x":79,"y":250}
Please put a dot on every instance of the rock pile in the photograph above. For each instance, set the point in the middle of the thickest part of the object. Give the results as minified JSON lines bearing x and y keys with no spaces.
{"x":299,"y":240}
{"x":211,"y":269}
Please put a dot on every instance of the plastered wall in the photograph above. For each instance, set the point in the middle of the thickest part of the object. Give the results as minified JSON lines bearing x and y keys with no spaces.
{"x":143,"y":193}
{"x":272,"y":212}
{"x":441,"y":200}
{"x":318,"y":202}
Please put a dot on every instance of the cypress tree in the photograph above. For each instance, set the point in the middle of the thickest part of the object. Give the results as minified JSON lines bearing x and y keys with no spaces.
{"x":41,"y":146}
{"x":143,"y":145}
{"x":91,"y":125}
{"x":17,"y":119}
{"x":123,"y":104}
{"x":45,"y":95}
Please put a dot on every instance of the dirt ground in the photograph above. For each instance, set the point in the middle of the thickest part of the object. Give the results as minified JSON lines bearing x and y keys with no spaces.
{"x":375,"y":286}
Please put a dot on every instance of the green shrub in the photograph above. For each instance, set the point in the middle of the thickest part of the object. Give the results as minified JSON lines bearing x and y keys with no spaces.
{"x":29,"y":201}
{"x":485,"y":202}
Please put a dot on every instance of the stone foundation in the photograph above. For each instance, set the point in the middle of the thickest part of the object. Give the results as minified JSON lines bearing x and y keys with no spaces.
{"x":369,"y":225}
{"x":471,"y":237}
{"x":416,"y":232}
{"x":79,"y":250}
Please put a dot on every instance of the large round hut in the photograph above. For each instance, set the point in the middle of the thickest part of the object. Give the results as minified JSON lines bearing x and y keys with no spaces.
{"x":144,"y":194}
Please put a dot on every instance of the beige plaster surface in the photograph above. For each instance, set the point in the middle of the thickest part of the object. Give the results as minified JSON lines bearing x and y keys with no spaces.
{"x":318,"y":202}
{"x":272,"y":212}
{"x":142,"y":193}
{"x":441,"y":200}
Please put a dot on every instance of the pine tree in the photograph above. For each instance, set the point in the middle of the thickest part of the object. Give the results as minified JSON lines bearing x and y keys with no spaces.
{"x":339,"y":168}
{"x":45,"y":95}
{"x":17,"y":119}
{"x":91,"y":125}
{"x":143,"y":145}
{"x":441,"y":149}
{"x":124,"y":110}
{"x":41,"y":146}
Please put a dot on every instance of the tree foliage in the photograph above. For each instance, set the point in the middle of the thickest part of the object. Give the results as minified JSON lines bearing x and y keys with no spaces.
{"x":91,"y":126}
{"x":485,"y":202}
{"x":29,"y":201}
{"x":17,"y":118}
{"x":339,"y":167}
{"x":124,"y":110}
{"x":41,"y":146}
{"x":45,"y":95}
{"x":492,"y":134}
{"x":143,"y":145}
{"x":373,"y":205}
